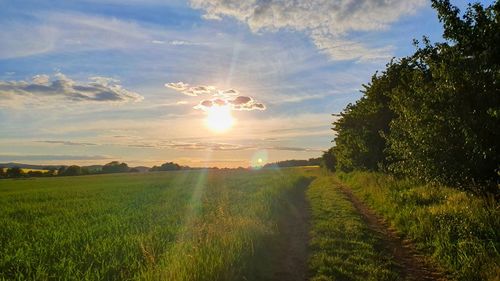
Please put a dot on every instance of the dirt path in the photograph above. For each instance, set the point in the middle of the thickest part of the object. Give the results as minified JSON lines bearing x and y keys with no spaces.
{"x":411,"y":265}
{"x":292,"y":261}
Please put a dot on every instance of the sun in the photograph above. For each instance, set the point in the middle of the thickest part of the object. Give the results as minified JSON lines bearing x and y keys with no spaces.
{"x":219,"y":118}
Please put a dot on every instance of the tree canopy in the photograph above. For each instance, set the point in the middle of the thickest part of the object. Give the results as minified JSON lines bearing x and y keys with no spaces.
{"x":434,"y":115}
{"x":169,"y":166}
{"x":115,"y":167}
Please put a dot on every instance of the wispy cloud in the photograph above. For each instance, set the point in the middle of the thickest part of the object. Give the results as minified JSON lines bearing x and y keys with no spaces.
{"x":97,"y":89}
{"x":69,"y":31}
{"x":41,"y":157}
{"x":327,"y":23}
{"x":176,"y":43}
{"x":72,"y":143}
{"x":192,"y":91}
{"x":219,"y":146}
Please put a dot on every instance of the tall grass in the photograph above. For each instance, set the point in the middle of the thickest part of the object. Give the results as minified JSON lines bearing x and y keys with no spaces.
{"x":460,"y":231}
{"x":342,"y":245}
{"x":188,"y":225}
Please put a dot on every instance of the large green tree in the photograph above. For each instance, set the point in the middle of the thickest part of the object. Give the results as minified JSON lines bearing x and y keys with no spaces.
{"x":446,"y":128}
{"x":360,"y":142}
{"x":435,"y":115}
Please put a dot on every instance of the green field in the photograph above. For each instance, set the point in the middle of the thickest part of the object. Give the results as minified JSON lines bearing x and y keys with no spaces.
{"x":288,"y":224}
{"x":187,"y":225}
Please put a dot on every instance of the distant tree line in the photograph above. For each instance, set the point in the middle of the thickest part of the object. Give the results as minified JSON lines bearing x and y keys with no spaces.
{"x":294,"y":163}
{"x":109,"y":168}
{"x":75,"y":170}
{"x":16,"y":172}
{"x":169,"y":166}
{"x":433,"y":116}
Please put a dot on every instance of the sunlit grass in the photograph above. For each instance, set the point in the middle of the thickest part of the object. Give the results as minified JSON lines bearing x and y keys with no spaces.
{"x":342,"y":246}
{"x":188,"y":225}
{"x":460,"y":231}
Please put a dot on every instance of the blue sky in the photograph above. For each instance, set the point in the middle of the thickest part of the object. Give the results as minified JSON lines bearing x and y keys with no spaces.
{"x":86,"y":82}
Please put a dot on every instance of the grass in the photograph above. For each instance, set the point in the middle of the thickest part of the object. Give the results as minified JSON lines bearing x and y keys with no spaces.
{"x":227,"y":225}
{"x":342,"y":246}
{"x":187,"y":225}
{"x":461,"y":232}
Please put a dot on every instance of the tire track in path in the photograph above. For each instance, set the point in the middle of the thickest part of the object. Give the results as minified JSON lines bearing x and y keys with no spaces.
{"x":411,"y":265}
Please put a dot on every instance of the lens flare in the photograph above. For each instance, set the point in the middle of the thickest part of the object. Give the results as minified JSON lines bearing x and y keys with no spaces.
{"x":259,"y":159}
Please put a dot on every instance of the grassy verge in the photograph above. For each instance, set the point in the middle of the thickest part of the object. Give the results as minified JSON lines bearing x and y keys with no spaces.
{"x":461,"y":232}
{"x":342,"y":246}
{"x":188,"y":225}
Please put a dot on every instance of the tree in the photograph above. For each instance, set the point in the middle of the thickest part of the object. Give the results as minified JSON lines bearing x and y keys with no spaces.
{"x":2,"y":173}
{"x":115,"y":167}
{"x":14,"y":172}
{"x":169,"y":166}
{"x":433,"y":116}
{"x":72,"y":170}
{"x":61,"y":170}
{"x":446,"y":130}
{"x":360,"y":142}
{"x":328,"y":160}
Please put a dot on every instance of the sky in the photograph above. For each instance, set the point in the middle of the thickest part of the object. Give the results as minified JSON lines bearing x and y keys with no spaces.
{"x":92,"y":81}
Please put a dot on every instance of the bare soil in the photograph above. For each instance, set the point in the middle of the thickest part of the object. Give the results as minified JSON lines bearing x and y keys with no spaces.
{"x":411,"y":264}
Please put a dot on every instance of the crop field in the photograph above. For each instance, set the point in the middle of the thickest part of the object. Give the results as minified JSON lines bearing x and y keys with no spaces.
{"x":281,"y":224}
{"x":186,"y":225}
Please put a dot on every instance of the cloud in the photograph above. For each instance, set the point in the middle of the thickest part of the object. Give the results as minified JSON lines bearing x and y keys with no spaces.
{"x":193,"y":91}
{"x":67,"y":143}
{"x":288,"y":148}
{"x":221,"y":146}
{"x":239,"y":103}
{"x":327,"y":23}
{"x":228,"y":97}
{"x":98,"y":89}
{"x":182,"y":43}
{"x":207,"y":146}
{"x":196,"y":145}
{"x":37,"y":157}
{"x":176,"y":43}
{"x":44,"y":32}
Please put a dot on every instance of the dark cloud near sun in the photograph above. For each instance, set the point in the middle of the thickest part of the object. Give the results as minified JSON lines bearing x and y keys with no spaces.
{"x":97,"y":89}
{"x":230,"y":97}
{"x":239,"y":103}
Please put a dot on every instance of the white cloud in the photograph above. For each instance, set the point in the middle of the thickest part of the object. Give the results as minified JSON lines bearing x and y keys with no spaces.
{"x":327,"y":22}
{"x":42,"y":88}
{"x":230,"y":97}
{"x":181,"y":43}
{"x":193,"y":91}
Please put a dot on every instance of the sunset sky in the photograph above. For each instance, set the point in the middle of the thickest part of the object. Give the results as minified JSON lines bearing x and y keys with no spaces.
{"x":88,"y":82}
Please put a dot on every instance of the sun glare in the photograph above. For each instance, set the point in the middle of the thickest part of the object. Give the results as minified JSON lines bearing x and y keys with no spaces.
{"x":219,"y":118}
